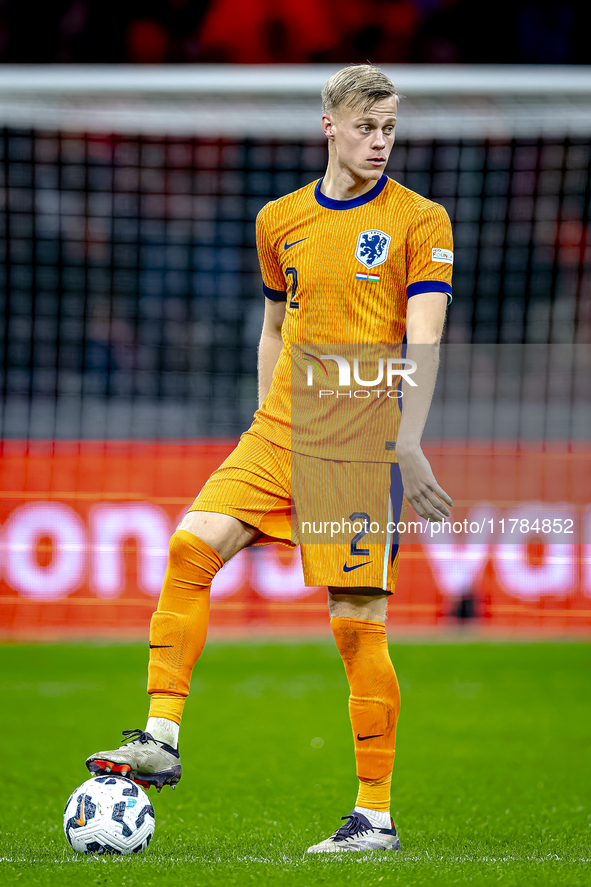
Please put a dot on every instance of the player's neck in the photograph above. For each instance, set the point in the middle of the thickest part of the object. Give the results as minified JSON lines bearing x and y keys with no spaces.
{"x":342,"y":184}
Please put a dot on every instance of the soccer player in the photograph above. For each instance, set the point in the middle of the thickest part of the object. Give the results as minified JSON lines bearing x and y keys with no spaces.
{"x":356,"y":259}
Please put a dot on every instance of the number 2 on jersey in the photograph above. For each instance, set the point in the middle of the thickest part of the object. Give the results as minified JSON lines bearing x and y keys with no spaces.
{"x":291,"y":272}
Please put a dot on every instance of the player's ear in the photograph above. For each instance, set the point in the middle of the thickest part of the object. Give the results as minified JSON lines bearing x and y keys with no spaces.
{"x":327,"y":126}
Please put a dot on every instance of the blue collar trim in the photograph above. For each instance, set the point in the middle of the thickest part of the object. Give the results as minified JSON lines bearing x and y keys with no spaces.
{"x":329,"y":203}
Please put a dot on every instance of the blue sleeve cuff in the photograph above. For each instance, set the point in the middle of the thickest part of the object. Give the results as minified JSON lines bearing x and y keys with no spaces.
{"x":429,"y":286}
{"x":275,"y":295}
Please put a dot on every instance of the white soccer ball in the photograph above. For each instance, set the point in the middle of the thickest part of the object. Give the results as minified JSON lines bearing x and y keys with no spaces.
{"x":109,"y":814}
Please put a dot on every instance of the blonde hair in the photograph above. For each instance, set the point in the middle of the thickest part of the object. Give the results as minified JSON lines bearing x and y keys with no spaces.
{"x":358,"y":86}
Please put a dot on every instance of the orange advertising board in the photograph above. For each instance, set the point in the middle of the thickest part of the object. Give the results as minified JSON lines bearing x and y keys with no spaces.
{"x":85,"y":528}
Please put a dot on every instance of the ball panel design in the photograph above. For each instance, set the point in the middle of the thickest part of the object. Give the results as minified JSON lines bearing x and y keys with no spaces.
{"x":109,"y":814}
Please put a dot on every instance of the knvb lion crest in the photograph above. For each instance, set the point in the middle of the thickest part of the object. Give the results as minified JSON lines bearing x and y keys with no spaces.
{"x":372,"y":248}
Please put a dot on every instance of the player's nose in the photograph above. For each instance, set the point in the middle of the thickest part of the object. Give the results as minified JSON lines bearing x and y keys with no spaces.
{"x":379,"y":139}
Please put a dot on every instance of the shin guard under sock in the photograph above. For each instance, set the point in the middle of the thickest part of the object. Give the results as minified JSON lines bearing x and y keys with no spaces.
{"x":374,"y":704}
{"x":179,"y":626}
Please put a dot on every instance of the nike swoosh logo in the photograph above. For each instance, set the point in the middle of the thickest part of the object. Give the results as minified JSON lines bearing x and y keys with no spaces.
{"x":161,"y":646}
{"x":373,"y":736}
{"x":347,"y":569}
{"x":82,"y":820}
{"x":287,"y":245}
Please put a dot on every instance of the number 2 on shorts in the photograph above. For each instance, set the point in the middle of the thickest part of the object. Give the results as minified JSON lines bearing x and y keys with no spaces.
{"x":360,"y":515}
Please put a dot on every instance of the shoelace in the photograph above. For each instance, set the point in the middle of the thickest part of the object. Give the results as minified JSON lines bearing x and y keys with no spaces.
{"x":350,"y":828}
{"x":137,"y":736}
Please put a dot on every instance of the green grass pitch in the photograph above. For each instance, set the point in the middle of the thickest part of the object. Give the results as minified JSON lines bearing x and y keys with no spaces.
{"x":491,"y":782}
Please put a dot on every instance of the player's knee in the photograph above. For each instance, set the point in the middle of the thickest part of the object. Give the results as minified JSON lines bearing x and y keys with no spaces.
{"x":184,"y":550}
{"x":177,"y":550}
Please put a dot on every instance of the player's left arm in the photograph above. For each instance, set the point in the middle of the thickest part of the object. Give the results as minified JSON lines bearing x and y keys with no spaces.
{"x":430,"y":258}
{"x":424,"y":326}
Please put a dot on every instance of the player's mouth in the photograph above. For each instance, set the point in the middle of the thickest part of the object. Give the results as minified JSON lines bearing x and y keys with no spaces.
{"x":377,"y":161}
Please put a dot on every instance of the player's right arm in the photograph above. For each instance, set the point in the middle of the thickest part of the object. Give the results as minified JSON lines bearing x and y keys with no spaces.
{"x":275,"y":301}
{"x":270,"y":345}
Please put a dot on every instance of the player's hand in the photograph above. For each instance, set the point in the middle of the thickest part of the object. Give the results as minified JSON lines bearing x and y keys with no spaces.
{"x":423,"y":492}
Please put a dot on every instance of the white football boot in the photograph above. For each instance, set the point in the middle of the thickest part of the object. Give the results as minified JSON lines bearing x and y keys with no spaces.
{"x":358,"y":835}
{"x":142,"y":758}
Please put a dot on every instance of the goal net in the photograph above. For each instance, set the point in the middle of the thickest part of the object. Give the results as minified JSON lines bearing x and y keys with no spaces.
{"x":129,"y":199}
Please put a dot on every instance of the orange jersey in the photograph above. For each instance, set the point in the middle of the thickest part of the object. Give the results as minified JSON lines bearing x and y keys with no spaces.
{"x":346,"y":269}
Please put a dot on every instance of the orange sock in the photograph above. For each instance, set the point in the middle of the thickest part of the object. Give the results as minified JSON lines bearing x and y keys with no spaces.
{"x":179,"y":626}
{"x":374,"y":704}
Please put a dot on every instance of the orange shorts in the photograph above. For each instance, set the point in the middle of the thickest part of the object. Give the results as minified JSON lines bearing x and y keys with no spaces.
{"x":345,"y":515}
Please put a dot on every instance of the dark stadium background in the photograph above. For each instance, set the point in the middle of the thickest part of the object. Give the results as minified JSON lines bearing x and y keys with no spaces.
{"x":393,"y":31}
{"x":131,"y":300}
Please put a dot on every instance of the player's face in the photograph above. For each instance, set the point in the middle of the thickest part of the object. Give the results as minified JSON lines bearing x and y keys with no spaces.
{"x":362,"y":141}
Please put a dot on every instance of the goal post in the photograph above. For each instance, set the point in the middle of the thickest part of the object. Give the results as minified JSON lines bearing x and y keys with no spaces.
{"x":282,"y":101}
